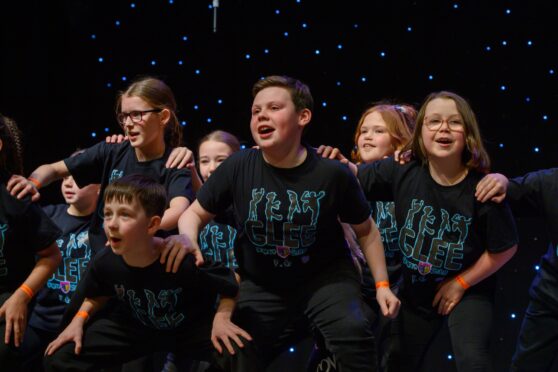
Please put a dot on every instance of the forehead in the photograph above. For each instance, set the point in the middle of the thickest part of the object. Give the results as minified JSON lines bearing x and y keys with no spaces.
{"x":374,"y":119}
{"x":214,"y":147}
{"x":131,"y":103}
{"x":272,"y":94}
{"x":441,"y":106}
{"x":117,"y":203}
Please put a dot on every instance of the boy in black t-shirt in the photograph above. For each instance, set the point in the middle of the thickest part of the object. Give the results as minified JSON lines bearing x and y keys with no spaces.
{"x":158,"y":311}
{"x":293,"y":259}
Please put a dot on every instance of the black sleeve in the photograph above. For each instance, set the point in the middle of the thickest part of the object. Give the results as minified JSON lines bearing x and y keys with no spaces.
{"x":215,"y":196}
{"x":218,"y":278}
{"x":525,"y":194}
{"x":180,"y":184}
{"x":354,"y":208}
{"x":376,"y":179}
{"x":87,"y":167}
{"x":497,"y":227}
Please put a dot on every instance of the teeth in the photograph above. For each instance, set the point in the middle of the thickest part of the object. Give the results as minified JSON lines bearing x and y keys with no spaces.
{"x":263,"y":130}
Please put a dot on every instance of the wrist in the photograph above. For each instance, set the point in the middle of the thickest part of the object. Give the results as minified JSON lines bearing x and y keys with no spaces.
{"x":25,"y":292}
{"x":81,"y":316}
{"x":382,"y":284}
{"x":35,"y":182}
{"x":462,"y":282}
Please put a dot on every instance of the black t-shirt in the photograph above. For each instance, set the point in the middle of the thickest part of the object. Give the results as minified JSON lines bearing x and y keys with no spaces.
{"x":536,"y":194}
{"x":74,"y":247}
{"x":217,"y":240}
{"x":443,"y":230}
{"x":157,"y":299}
{"x":383,"y":213}
{"x":104,"y":163}
{"x":287,"y":218}
{"x":24,"y":230}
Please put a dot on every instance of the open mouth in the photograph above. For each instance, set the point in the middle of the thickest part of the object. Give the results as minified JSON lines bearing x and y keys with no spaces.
{"x":368,"y":146}
{"x":264,"y":129}
{"x":114,"y":240}
{"x":444,"y":141}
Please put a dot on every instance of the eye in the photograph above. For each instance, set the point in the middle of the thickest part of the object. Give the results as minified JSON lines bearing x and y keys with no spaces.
{"x":455,"y":122}
{"x":204,"y":161}
{"x":255,"y":111}
{"x":136,"y":115}
{"x":379,"y":131}
{"x":107,"y":214}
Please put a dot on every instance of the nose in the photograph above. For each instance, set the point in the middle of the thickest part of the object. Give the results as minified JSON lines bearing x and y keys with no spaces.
{"x":445,"y":126}
{"x":212,"y":167}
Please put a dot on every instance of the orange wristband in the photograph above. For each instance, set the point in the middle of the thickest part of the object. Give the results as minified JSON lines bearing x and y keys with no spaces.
{"x":28,"y":291}
{"x":381,"y":284}
{"x":35,"y":182}
{"x":82,"y":314}
{"x":462,"y":282}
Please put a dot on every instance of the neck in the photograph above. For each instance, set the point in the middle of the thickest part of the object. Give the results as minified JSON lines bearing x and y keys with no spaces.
{"x":142,"y":256}
{"x":447,"y":172}
{"x":152,"y":151}
{"x":288,"y":158}
{"x":78,"y":210}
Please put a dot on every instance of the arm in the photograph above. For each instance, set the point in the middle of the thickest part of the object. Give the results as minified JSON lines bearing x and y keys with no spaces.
{"x":451,"y":291}
{"x":42,"y":176}
{"x":14,"y":310}
{"x":371,"y":244}
{"x":74,"y":330}
{"x":177,"y":206}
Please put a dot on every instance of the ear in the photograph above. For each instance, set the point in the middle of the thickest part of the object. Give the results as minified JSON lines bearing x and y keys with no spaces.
{"x":304,"y":117}
{"x":165,"y":116}
{"x":154,"y":224}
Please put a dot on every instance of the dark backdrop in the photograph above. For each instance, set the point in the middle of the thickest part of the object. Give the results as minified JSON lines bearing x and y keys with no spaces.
{"x":63,"y":62}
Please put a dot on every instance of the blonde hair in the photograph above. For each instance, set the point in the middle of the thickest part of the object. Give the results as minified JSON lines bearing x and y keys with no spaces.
{"x":223,"y":137}
{"x":399,"y":119}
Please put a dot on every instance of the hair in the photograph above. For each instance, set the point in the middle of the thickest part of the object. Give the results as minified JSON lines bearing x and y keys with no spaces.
{"x":221,"y":136}
{"x":300,"y":92}
{"x":160,"y":96}
{"x":11,"y":154}
{"x":150,"y":194}
{"x":474,"y":156}
{"x":400,"y":122}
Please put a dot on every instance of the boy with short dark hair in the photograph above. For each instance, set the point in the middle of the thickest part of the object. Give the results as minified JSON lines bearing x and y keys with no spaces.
{"x":158,"y":311}
{"x":293,"y":259}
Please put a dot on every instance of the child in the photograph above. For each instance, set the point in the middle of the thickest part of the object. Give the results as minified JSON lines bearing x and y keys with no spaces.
{"x":73,"y":218}
{"x":451,"y":244}
{"x":28,"y":251}
{"x":218,"y":237}
{"x":292,"y":256}
{"x":535,"y":195}
{"x":381,"y":130}
{"x":158,"y":310}
{"x":146,"y":111}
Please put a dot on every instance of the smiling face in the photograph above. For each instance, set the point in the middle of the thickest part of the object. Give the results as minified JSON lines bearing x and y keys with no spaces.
{"x":275,"y":123}
{"x":211,"y":155}
{"x":443,"y":142}
{"x":374,"y":141}
{"x":149,"y":132}
{"x":126,"y":225}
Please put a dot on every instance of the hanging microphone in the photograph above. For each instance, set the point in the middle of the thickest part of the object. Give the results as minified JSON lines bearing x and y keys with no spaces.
{"x":215,"y":7}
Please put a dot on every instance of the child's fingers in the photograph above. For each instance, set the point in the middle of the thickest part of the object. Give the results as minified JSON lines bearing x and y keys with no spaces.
{"x":178,"y":260}
{"x":171,"y":258}
{"x":8,"y":331}
{"x":77,"y":349}
{"x":216,"y":344}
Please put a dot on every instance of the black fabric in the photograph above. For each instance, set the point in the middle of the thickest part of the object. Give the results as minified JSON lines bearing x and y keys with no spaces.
{"x":287,"y":218}
{"x":24,"y":230}
{"x":155,"y":298}
{"x":103,"y":163}
{"x":51,"y":301}
{"x":443,"y":230}
{"x":218,"y":238}
{"x":536,"y":194}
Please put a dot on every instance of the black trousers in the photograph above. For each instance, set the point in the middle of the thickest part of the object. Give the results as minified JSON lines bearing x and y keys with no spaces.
{"x":470,"y":324}
{"x":330,"y":301}
{"x":537,"y":344}
{"x":111,"y":342}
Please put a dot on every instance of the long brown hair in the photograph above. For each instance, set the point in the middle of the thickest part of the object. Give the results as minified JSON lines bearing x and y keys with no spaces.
{"x":11,"y":154}
{"x":474,"y":155}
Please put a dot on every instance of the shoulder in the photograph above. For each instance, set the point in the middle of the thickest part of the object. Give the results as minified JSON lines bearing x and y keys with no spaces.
{"x":14,"y":207}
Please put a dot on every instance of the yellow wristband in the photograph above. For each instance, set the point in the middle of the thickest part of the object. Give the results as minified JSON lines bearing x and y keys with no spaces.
{"x":381,"y":284}
{"x":82,"y":314}
{"x":28,"y":291}
{"x":35,"y":182}
{"x":462,"y":282}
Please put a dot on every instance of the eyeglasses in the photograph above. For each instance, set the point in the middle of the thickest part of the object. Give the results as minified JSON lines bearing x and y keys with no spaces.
{"x":454,"y":124}
{"x":135,"y":116}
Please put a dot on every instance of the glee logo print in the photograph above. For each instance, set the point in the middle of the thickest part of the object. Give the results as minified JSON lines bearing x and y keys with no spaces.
{"x":446,"y":238}
{"x":279,"y":235}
